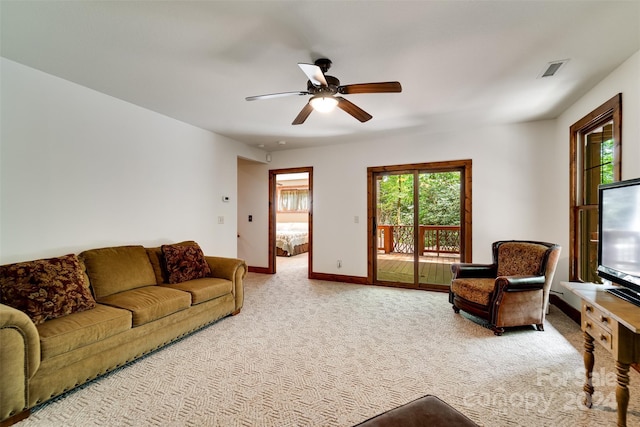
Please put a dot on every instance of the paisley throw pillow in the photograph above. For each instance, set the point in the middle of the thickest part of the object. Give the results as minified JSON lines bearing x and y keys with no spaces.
{"x":185,"y":263}
{"x":47,"y":288}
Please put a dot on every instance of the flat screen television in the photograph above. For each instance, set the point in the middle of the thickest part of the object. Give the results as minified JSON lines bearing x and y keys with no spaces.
{"x":619,"y":233}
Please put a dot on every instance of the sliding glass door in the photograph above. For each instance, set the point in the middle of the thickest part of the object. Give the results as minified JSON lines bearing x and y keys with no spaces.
{"x":395,"y":227}
{"x":419,"y":223}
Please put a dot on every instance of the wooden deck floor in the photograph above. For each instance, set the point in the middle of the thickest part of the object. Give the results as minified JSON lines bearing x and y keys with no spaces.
{"x":399,"y":268}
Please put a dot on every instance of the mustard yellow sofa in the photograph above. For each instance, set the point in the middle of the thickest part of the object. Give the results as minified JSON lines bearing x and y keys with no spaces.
{"x":65,"y":321}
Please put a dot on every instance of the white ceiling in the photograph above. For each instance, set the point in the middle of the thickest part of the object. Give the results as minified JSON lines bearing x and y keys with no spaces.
{"x":460,"y":63}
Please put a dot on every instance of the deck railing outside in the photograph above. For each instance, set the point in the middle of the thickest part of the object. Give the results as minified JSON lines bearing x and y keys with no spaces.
{"x":431,"y":239}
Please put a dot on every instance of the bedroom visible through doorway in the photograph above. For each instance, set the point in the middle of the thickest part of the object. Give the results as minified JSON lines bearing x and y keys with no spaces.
{"x":290,"y":217}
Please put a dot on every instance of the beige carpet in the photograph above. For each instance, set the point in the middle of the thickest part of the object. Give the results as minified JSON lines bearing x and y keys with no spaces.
{"x":313,"y":353}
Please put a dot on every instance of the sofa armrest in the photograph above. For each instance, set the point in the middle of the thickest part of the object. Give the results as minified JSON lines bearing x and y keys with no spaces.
{"x":520,"y":283}
{"x":19,"y":359}
{"x":225,"y":268}
{"x":233,"y":269}
{"x":465,"y":270}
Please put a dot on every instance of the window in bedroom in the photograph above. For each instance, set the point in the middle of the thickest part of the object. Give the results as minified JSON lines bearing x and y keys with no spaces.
{"x":595,"y":158}
{"x":291,"y":199}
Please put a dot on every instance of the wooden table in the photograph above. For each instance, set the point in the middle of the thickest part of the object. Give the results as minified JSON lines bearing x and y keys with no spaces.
{"x":615,"y":324}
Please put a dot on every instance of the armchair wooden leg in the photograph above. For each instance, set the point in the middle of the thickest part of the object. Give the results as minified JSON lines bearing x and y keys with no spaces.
{"x":540,"y":327}
{"x":497,"y":331}
{"x":456,"y":309}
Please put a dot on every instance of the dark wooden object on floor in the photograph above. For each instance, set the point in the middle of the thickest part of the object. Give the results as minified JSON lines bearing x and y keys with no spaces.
{"x":427,"y":411}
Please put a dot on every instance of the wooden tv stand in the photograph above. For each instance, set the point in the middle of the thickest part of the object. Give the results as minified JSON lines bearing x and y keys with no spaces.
{"x":615,"y":324}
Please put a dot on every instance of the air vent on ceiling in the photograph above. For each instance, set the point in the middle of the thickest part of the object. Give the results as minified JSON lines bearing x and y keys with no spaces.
{"x":552,"y":68}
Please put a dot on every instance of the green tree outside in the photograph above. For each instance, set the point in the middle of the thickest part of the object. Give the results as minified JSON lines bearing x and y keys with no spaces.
{"x":439,"y":199}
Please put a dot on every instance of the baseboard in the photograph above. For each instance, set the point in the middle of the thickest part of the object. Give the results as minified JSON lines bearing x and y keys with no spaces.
{"x":565,"y":307}
{"x":261,"y":270}
{"x":358,"y":280}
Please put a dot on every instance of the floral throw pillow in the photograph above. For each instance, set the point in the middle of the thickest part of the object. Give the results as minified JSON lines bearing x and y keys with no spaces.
{"x":47,"y":288}
{"x":185,"y":263}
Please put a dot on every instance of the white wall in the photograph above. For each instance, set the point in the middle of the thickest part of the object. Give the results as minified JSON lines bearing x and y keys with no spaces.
{"x":80,"y":169}
{"x":511,"y":170}
{"x":626,"y":80}
{"x":253,"y":199}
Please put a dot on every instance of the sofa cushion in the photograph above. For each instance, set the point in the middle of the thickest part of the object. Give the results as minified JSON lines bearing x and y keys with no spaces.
{"x":149,"y":303}
{"x":474,"y":290}
{"x":520,"y":259}
{"x":116,"y":269}
{"x":79,"y":329}
{"x":185,"y":262}
{"x":47,"y":288}
{"x":205,"y":289}
{"x":157,"y":262}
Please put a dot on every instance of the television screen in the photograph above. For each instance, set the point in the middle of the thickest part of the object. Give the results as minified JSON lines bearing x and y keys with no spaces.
{"x":619,"y":233}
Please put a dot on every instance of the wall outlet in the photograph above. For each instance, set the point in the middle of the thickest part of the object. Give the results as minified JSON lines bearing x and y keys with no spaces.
{"x":339,"y":263}
{"x":220,"y":220}
{"x":356,"y":219}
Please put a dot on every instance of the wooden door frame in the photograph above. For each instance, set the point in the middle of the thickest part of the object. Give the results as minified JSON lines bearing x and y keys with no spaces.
{"x":273,"y":203}
{"x":464,"y":166}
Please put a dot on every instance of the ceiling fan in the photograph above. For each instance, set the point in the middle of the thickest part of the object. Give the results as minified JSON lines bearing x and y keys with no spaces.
{"x":325,"y":89}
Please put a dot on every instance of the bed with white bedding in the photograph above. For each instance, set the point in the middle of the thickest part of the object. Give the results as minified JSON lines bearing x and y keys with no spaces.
{"x":292,"y":238}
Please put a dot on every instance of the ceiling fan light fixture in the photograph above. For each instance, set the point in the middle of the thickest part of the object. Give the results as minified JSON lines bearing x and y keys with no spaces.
{"x":325,"y":93}
{"x":323,"y":103}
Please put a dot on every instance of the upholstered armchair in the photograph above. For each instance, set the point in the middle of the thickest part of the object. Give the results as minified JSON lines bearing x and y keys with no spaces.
{"x":513,"y":290}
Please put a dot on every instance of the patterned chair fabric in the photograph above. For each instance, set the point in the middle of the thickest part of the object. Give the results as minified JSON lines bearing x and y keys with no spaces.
{"x":520,"y":258}
{"x":475,"y":290}
{"x":513,"y":290}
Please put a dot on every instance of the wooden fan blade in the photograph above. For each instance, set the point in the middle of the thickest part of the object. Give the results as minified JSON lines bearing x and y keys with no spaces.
{"x":276,"y":95}
{"x":382,"y":87}
{"x":353,"y":109}
{"x":314,"y":74}
{"x":303,"y":114}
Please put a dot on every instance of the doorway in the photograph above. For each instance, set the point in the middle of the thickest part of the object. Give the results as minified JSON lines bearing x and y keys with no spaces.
{"x":420,"y":223}
{"x":290,"y":216}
